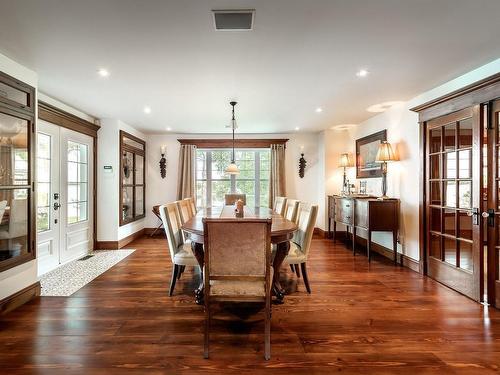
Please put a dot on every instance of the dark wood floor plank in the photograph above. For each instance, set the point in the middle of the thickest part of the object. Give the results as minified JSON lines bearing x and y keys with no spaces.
{"x":361,"y":318}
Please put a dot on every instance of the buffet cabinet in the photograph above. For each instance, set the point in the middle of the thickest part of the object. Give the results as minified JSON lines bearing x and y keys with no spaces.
{"x":367,"y":213}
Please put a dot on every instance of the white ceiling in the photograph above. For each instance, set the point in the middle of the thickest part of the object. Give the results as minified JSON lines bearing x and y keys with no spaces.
{"x":300,"y":55}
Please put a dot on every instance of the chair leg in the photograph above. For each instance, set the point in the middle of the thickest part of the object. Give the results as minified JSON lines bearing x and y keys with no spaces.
{"x":207,"y":330}
{"x":175,"y":273}
{"x":297,"y":270}
{"x":304,"y":276}
{"x":292,"y":268}
{"x":181,"y":271}
{"x":267,"y":330}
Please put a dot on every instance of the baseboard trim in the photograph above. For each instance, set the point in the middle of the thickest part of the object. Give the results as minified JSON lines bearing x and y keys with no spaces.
{"x":403,"y":259}
{"x":319,"y":232}
{"x":113,"y":245}
{"x":19,"y":298}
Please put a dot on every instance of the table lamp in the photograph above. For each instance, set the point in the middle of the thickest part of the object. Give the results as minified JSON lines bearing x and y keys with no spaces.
{"x":344,"y":163}
{"x":384,"y":154}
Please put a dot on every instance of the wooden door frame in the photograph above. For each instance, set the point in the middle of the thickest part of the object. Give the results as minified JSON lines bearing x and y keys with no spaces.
{"x":59,"y":117}
{"x":480,"y":92}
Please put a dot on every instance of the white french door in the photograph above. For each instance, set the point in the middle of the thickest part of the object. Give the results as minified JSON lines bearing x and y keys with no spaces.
{"x":64,"y":199}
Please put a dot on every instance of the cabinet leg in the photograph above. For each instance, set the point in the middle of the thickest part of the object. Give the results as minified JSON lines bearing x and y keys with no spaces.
{"x":334,"y":231}
{"x":354,"y":241}
{"x":368,"y":245}
{"x":329,"y":228}
{"x":395,"y":247}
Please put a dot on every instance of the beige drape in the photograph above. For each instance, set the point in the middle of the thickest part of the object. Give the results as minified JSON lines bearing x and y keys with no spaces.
{"x":187,"y":163}
{"x":277,"y":181}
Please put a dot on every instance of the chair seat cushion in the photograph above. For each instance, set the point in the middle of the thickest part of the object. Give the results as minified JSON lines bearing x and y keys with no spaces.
{"x":239,"y":288}
{"x":295,"y":255}
{"x":184,"y":255}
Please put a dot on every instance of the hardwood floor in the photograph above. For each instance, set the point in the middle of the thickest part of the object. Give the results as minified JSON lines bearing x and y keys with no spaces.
{"x":360,"y":318}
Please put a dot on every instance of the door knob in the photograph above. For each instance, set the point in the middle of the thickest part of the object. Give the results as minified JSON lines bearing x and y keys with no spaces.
{"x":56,"y":206}
{"x":485,"y":214}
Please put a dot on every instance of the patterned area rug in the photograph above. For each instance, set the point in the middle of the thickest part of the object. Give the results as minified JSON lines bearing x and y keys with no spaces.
{"x":67,"y":279}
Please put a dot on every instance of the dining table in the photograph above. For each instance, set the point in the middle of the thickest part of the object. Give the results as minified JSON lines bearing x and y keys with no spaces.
{"x":282,"y":231}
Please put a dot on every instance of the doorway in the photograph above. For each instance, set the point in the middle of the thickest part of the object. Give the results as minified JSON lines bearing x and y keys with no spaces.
{"x":64,"y":202}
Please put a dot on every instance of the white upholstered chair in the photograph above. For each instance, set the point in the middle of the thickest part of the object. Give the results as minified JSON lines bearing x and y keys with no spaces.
{"x":292,"y":209}
{"x":185,"y":210}
{"x":180,"y":250}
{"x":242,"y":278}
{"x":3,"y":205}
{"x":18,"y":220}
{"x":301,"y":242}
{"x":279,"y":205}
{"x":192,"y":205}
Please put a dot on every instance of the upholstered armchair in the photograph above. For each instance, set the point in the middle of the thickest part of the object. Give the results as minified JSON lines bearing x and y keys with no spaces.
{"x":280,"y":205}
{"x":180,"y":250}
{"x":230,"y":199}
{"x":301,"y":242}
{"x":238,"y":267}
{"x":292,"y":209}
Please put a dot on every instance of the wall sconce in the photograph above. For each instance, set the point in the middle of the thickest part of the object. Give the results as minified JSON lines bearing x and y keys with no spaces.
{"x":345,"y":162}
{"x":163,"y":162}
{"x":302,"y":163}
{"x":384,"y":154}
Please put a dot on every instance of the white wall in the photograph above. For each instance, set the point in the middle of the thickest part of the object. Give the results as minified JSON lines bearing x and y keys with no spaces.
{"x":160,"y":191}
{"x":17,"y":278}
{"x":108,"y":188}
{"x":403,"y":133}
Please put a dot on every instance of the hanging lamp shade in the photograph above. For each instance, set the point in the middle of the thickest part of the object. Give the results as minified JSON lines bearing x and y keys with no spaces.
{"x":232,"y":168}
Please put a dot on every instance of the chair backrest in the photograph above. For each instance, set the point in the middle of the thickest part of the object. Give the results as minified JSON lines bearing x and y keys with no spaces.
{"x":192,"y":205}
{"x":279,"y":205}
{"x":170,"y":217}
{"x":305,"y":221}
{"x":237,"y":249}
{"x":292,"y":209}
{"x":230,"y":199}
{"x":185,"y":211}
{"x":3,"y":205}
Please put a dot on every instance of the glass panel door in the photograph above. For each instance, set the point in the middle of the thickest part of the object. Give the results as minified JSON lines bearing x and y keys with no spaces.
{"x":453,"y":200}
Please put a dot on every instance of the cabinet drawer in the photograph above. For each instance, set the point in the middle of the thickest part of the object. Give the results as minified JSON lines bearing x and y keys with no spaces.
{"x":344,"y":210}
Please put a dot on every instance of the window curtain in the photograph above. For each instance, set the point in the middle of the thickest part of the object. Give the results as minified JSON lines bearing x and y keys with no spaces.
{"x":277,"y":181}
{"x":187,"y":163}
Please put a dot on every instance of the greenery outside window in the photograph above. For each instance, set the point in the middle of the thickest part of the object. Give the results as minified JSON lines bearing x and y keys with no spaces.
{"x":212,"y":183}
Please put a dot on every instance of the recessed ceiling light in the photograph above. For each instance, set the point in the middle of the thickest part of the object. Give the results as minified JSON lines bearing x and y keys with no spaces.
{"x":319,"y":110}
{"x":382,"y":107}
{"x":103,"y":72}
{"x":362,"y":73}
{"x":297,"y":128}
{"x":147,"y":110}
{"x":169,"y":128}
{"x":343,"y":127}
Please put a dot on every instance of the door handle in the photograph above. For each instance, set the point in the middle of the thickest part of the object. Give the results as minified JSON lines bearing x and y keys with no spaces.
{"x":56,"y":206}
{"x":490,"y":214}
{"x":475,"y":215}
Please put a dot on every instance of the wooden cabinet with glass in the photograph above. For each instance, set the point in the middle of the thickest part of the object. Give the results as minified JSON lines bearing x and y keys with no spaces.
{"x":17,"y":137}
{"x":132,"y":182}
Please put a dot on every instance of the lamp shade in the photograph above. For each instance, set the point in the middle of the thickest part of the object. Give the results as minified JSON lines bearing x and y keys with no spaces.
{"x":384,"y":152}
{"x":232,"y":169}
{"x":344,"y":160}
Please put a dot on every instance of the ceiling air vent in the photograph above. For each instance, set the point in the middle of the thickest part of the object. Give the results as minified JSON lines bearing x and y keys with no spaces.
{"x":231,"y":20}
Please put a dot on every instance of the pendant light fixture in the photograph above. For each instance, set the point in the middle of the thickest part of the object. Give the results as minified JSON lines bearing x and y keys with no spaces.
{"x":233,"y":168}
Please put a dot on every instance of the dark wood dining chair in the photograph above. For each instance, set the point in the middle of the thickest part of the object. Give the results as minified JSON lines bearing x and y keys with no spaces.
{"x":238,"y":267}
{"x":230,"y":199}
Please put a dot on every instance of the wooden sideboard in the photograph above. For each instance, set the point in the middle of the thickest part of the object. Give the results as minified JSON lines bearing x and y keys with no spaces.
{"x":367,"y":213}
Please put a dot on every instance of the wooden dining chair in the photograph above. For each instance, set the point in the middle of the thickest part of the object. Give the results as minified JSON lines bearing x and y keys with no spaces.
{"x":180,"y":250}
{"x":238,"y":267}
{"x":301,"y":241}
{"x":230,"y":199}
{"x":292,"y":209}
{"x":192,"y":204}
{"x":279,"y":205}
